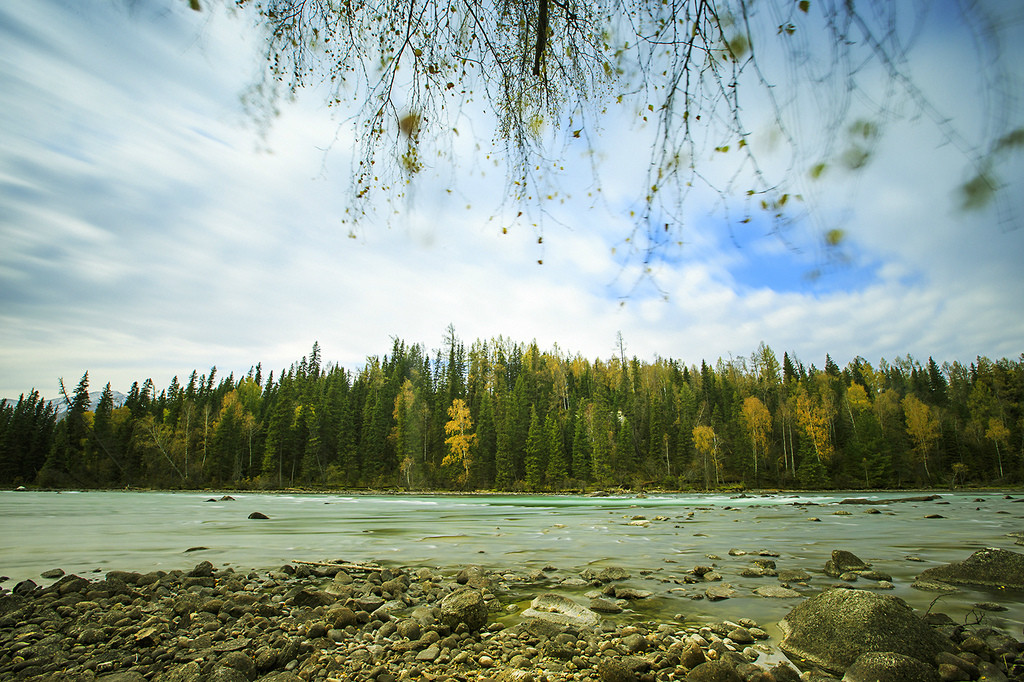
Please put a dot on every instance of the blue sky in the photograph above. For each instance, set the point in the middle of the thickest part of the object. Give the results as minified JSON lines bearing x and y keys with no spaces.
{"x":147,"y":228}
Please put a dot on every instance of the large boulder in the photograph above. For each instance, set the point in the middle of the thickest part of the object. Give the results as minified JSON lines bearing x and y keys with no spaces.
{"x":833,"y":628}
{"x":464,"y":606}
{"x":990,"y":567}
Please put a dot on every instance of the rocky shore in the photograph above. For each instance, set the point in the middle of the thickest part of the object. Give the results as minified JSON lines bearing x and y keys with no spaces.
{"x":334,"y":621}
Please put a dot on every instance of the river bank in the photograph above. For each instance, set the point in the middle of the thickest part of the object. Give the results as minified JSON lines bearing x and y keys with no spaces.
{"x":322,"y":622}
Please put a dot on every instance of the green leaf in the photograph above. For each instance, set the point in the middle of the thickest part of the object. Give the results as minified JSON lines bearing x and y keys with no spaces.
{"x":817,"y":170}
{"x":805,"y":5}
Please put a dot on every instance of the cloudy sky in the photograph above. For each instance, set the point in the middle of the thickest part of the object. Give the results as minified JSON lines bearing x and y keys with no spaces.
{"x":148,"y":229}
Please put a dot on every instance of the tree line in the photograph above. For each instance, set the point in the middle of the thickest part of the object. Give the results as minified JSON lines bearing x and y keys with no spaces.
{"x":502,"y":415}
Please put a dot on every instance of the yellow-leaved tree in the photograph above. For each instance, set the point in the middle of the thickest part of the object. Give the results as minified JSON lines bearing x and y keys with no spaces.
{"x":923,"y":428}
{"x":706,"y":443}
{"x":757,"y":421}
{"x":461,"y":439}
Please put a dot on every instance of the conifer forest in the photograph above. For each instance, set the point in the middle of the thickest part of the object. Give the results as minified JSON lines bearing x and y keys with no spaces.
{"x":508,"y":416}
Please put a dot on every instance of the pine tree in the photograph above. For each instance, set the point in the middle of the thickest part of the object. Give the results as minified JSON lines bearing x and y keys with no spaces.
{"x":581,"y":449}
{"x":535,"y":447}
{"x":557,"y":467}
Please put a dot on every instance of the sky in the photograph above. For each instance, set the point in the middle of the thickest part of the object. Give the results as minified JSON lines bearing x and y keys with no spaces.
{"x":148,"y":228}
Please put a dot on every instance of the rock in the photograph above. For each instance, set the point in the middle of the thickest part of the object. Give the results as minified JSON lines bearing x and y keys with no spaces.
{"x":25,"y":588}
{"x":877,"y":666}
{"x":713,"y":671}
{"x":465,"y":606}
{"x":561,"y":610}
{"x":410,"y":629}
{"x":52,"y":574}
{"x":630,"y":593}
{"x":188,"y":672}
{"x":776,"y":592}
{"x":719,"y":592}
{"x":240,"y":662}
{"x":258,"y":515}
{"x":989,"y":567}
{"x":281,"y":676}
{"x":794,"y":576}
{"x":740,"y":635}
{"x":473,"y":576}
{"x":223,"y":673}
{"x":340,"y":617}
{"x":784,"y":673}
{"x":613,"y":573}
{"x":124,"y":676}
{"x":933,"y":586}
{"x":203,"y":569}
{"x":952,"y":660}
{"x":313,"y":598}
{"x":990,"y":606}
{"x":602,"y":605}
{"x":833,"y":628}
{"x":844,"y":562}
{"x":611,"y":670}
{"x":429,"y":654}
{"x":692,"y":655}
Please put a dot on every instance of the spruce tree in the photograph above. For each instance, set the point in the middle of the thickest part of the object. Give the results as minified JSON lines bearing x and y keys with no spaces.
{"x":557,"y":467}
{"x":535,"y":447}
{"x":581,"y":449}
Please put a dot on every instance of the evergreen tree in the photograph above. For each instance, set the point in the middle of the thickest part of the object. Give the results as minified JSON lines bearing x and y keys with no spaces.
{"x":535,"y":447}
{"x":557,"y":466}
{"x":581,"y":449}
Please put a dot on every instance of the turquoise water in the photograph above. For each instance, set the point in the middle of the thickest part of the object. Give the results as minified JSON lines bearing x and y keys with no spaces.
{"x":86,"y":532}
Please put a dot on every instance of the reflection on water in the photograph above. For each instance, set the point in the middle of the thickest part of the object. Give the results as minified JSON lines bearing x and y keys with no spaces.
{"x":104,"y":531}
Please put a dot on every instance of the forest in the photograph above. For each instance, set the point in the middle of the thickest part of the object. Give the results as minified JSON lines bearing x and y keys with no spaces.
{"x":503,"y":415}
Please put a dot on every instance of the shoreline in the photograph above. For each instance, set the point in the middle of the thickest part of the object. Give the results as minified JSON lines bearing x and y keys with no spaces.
{"x":316,"y":621}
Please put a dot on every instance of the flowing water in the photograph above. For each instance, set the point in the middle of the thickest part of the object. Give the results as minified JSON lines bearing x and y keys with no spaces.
{"x":95,"y":532}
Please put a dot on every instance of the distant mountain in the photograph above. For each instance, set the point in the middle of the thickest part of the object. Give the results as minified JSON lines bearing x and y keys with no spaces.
{"x":94,"y":400}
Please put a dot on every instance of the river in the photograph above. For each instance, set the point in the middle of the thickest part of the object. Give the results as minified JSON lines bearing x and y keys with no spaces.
{"x":93,"y":532}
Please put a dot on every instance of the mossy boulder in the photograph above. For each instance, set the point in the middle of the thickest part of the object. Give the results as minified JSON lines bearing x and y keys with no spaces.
{"x":833,"y":628}
{"x":989,"y":567}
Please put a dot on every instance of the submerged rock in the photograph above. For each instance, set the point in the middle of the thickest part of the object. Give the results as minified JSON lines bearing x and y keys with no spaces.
{"x":776,"y":591}
{"x":989,"y":567}
{"x":833,"y":628}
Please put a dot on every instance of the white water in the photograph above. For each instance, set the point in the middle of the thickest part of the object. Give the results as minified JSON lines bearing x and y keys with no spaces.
{"x":90,"y":532}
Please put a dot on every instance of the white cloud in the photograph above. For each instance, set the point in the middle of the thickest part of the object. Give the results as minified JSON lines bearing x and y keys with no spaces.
{"x":147,"y":232}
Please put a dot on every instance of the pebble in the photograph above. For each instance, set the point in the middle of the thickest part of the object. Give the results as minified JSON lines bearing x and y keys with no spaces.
{"x":317,"y":623}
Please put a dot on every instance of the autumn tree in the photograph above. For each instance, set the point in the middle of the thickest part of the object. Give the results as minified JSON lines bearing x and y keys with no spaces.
{"x":998,"y":434}
{"x":705,"y":441}
{"x":923,"y":428}
{"x":757,"y":422}
{"x":460,"y":438}
{"x":815,"y":416}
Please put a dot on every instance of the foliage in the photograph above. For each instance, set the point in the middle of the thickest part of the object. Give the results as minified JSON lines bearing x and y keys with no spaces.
{"x":699,"y":78}
{"x":508,"y":416}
